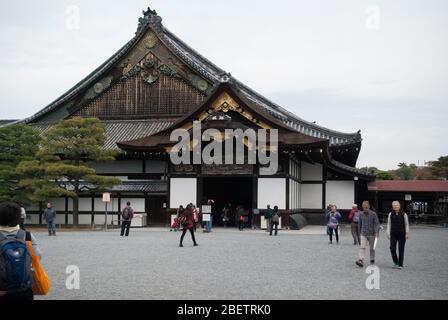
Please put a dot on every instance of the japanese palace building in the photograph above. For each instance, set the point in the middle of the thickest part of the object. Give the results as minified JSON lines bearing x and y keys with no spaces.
{"x":156,"y":83}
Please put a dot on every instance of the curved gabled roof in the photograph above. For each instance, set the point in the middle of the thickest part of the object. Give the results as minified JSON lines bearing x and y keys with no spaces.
{"x":209,"y":71}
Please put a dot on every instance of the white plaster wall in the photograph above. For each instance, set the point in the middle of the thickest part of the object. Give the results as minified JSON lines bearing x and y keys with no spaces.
{"x":138,"y":204}
{"x":111,"y":207}
{"x":182,"y":191}
{"x":340,"y":193}
{"x":271,"y":191}
{"x":311,"y":196}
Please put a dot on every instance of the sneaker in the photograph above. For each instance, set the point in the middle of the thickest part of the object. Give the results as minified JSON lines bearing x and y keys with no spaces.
{"x":195,"y":245}
{"x":395,"y":266}
{"x":181,"y":245}
{"x":330,"y":242}
{"x":400,"y":267}
{"x":359,"y":263}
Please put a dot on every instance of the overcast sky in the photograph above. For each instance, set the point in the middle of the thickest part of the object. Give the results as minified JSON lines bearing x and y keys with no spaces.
{"x":379,"y":66}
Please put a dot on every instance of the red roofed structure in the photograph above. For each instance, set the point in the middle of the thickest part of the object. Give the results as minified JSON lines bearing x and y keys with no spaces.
{"x":409,"y":186}
{"x":424,"y":200}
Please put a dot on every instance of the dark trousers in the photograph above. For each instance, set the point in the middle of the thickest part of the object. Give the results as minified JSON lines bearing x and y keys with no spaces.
{"x":274,"y":224}
{"x":241,"y":225}
{"x":125,"y":226}
{"x":184,"y":231}
{"x":335,"y":232}
{"x":401,"y":239}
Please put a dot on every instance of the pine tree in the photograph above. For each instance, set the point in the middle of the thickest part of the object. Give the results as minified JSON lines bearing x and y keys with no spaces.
{"x":63,"y":164}
{"x":17,"y":143}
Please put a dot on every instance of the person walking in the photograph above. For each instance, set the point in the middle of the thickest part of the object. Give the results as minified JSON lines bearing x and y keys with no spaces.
{"x":353,"y":219}
{"x":127,"y":214}
{"x":22,"y":217}
{"x":176,"y":225}
{"x":186,"y":221}
{"x":268,"y":217}
{"x":275,"y":220}
{"x":209,"y":223}
{"x":50,"y":218}
{"x":397,"y":231}
{"x":15,"y":286}
{"x":241,"y":214}
{"x":333,"y":218}
{"x":225,"y":215}
{"x":369,"y":228}
{"x":195,"y":217}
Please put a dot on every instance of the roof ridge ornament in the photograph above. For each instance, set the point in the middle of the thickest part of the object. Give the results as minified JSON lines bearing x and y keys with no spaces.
{"x":225,"y":77}
{"x":149,"y":16}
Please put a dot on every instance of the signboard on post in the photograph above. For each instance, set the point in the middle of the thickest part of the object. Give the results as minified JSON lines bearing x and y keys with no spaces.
{"x":106,"y":197}
{"x":408,"y":197}
{"x":206,"y":217}
{"x":106,"y":200}
{"x":206,"y":209}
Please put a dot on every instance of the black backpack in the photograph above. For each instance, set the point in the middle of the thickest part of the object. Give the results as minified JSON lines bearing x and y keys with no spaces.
{"x":126,"y":213}
{"x":16,"y":274}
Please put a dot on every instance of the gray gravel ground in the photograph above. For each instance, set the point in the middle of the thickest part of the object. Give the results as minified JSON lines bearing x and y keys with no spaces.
{"x":230,"y":264}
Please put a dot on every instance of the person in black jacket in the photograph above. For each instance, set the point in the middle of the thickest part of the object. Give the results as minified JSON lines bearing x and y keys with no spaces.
{"x":397,"y":232}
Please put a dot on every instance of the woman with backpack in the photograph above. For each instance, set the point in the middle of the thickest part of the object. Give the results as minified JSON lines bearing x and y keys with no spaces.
{"x":275,"y":220}
{"x":13,"y":240}
{"x":186,"y":221}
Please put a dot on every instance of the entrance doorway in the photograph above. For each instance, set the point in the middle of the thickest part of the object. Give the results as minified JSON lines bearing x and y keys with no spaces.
{"x":224,"y":190}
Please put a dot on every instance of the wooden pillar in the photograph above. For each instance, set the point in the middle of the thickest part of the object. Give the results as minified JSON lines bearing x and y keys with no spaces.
{"x":66,"y":210}
{"x":119,"y":208}
{"x":40,"y":212}
{"x":92,"y":217}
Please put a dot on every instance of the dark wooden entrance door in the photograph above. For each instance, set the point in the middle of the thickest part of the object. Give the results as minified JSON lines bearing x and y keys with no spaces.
{"x":225,"y":190}
{"x":156,"y":213}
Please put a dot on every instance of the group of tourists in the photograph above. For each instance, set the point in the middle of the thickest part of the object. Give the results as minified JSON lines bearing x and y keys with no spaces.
{"x":20,"y":254}
{"x":365,"y":228}
{"x":272,"y":217}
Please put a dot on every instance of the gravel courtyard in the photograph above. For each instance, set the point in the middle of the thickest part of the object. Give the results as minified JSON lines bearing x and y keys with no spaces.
{"x":229,"y":264}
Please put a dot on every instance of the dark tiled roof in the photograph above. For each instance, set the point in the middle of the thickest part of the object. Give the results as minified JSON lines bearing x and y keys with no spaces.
{"x":211,"y":72}
{"x":153,"y":186}
{"x":123,"y":130}
{"x":410,"y":186}
{"x":149,"y":186}
{"x":352,"y":170}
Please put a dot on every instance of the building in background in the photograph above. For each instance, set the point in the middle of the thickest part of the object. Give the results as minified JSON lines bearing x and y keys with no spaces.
{"x":156,"y":83}
{"x":423,"y":200}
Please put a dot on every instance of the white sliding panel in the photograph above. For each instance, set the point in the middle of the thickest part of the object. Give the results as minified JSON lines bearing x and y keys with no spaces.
{"x":311,"y":196}
{"x":271,"y":191}
{"x":182,"y":192}
{"x":340,"y":193}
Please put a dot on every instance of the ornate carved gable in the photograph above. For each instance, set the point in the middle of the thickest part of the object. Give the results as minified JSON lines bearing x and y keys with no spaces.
{"x":150,"y":82}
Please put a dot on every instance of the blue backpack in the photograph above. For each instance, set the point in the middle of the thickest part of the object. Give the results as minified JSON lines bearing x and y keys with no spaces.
{"x":15,"y":262}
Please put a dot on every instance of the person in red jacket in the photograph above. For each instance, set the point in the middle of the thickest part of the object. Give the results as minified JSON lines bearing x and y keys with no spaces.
{"x":186,"y":221}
